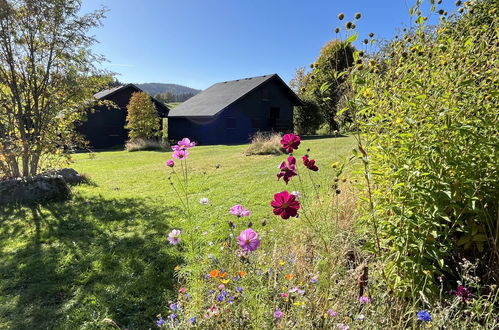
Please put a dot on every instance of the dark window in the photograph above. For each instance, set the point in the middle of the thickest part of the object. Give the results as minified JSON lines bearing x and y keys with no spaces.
{"x":230,"y":123}
{"x":257,"y":123}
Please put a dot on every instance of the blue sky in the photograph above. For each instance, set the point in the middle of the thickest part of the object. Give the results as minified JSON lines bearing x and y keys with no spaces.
{"x":200,"y":42}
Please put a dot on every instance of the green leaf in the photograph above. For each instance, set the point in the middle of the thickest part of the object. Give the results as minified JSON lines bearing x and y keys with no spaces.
{"x":352,"y":38}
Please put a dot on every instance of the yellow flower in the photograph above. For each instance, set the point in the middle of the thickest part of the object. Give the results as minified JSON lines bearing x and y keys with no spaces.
{"x":281,"y":262}
{"x":225,"y":281}
{"x":177,"y":268}
{"x":335,"y":164}
{"x":399,"y":121}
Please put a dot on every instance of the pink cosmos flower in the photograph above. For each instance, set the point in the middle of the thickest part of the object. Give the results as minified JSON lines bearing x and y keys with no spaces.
{"x":174,"y":237}
{"x":248,"y":240}
{"x":240,"y":211}
{"x":284,"y":295}
{"x":285,"y":205}
{"x":310,"y":163}
{"x":170,"y":163}
{"x":182,"y":290}
{"x":290,"y":142}
{"x":287,"y":171}
{"x":278,"y":314}
{"x":183,"y":144}
{"x":180,"y":154}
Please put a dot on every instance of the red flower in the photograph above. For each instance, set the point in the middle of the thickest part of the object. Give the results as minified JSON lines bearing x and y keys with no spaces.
{"x":285,"y":205}
{"x":290,"y":142}
{"x":287,"y":171}
{"x":310,"y":163}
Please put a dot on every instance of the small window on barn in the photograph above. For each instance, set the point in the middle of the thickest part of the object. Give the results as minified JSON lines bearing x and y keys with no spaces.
{"x":230,"y":123}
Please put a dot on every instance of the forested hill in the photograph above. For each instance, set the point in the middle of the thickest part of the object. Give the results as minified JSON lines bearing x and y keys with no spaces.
{"x":157,"y":88}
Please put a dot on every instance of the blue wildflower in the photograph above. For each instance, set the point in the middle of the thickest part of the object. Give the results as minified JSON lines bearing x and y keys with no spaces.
{"x":192,"y":320}
{"x":224,"y":293}
{"x":230,"y":300}
{"x":424,"y":316}
{"x":173,"y":316}
{"x":239,"y":289}
{"x":207,"y":276}
{"x":173,"y":307}
{"x":220,"y":298}
{"x":187,"y":296}
{"x":211,"y":291}
{"x":160,"y":322}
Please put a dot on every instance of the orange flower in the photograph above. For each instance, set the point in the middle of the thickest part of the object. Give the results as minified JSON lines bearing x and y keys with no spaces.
{"x":222,"y":275}
{"x":242,"y":274}
{"x":214,"y":273}
{"x":290,"y":276}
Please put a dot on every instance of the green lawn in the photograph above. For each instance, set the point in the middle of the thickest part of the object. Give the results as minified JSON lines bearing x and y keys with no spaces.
{"x":104,"y":254}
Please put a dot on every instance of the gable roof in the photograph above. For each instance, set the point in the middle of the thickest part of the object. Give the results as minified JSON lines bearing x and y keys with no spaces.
{"x":219,"y":96}
{"x":162,"y":109}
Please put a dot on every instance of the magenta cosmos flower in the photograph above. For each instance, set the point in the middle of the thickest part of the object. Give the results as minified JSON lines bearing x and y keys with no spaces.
{"x":183,"y":144}
{"x":170,"y":163}
{"x":310,"y":163}
{"x":287,"y":170}
{"x":248,"y":240}
{"x":239,"y":211}
{"x":285,"y":205}
{"x":180,"y":154}
{"x":290,"y":142}
{"x":174,"y":237}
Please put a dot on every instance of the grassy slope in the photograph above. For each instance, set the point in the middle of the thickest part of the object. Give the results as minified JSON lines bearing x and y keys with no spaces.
{"x":104,"y":253}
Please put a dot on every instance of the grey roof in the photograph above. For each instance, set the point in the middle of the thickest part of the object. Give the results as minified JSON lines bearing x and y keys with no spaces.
{"x":219,"y":96}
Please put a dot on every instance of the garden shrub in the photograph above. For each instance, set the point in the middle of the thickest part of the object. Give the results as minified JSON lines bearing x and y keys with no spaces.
{"x":264,"y":143}
{"x":145,"y":145}
{"x":307,"y":118}
{"x":427,"y":109}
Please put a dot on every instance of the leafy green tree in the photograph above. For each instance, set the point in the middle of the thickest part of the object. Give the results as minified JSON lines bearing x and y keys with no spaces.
{"x":323,"y":83}
{"x":306,"y":118}
{"x":142,"y":119}
{"x":47,"y":77}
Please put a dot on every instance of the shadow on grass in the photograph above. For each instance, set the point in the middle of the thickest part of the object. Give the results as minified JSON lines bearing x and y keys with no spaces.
{"x":63,"y":265}
{"x":320,"y":137}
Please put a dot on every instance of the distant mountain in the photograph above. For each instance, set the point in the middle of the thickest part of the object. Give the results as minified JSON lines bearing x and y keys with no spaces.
{"x":156,"y":88}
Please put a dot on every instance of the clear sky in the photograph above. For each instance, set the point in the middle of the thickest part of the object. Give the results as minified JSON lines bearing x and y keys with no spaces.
{"x":200,"y":42}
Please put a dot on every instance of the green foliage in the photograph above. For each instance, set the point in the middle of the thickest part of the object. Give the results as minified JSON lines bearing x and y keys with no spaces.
{"x":307,"y":118}
{"x":323,"y":83}
{"x":142,"y":117}
{"x":47,"y":77}
{"x":427,"y":109}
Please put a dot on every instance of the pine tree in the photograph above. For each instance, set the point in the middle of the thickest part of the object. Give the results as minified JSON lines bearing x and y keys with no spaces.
{"x":142,"y":118}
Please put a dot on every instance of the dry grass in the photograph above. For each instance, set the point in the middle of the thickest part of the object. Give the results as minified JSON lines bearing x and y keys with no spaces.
{"x":145,"y":145}
{"x":265,"y":143}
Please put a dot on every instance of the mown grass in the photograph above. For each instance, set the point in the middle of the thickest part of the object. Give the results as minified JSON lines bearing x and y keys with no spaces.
{"x":104,"y":254}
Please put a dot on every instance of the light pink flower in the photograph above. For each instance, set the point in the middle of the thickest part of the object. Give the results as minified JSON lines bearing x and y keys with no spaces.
{"x":364,"y":300}
{"x":183,"y":144}
{"x":180,"y":154}
{"x":248,"y":240}
{"x":239,"y":211}
{"x":278,"y":314}
{"x":174,"y":237}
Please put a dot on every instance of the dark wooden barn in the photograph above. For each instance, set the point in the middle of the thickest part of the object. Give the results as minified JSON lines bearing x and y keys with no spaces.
{"x":105,"y":126}
{"x":232,"y":111}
